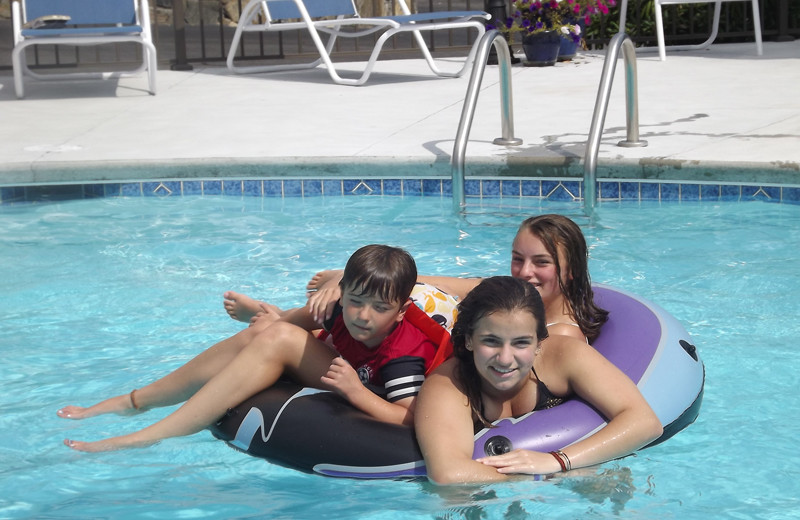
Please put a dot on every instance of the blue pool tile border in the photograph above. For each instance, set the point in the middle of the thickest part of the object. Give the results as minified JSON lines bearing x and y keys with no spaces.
{"x":564,"y":190}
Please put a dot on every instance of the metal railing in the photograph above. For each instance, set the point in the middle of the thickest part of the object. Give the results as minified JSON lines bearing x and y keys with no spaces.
{"x":623,"y":41}
{"x":620,"y":41}
{"x":489,"y":39}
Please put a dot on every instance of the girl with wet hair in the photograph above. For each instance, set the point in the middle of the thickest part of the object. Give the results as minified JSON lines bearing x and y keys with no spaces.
{"x":502,"y":368}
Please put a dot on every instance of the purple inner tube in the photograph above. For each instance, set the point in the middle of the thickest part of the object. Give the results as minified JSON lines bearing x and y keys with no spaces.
{"x":630,"y":322}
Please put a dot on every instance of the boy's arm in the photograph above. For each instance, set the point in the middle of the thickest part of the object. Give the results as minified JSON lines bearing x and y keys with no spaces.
{"x":345,"y":381}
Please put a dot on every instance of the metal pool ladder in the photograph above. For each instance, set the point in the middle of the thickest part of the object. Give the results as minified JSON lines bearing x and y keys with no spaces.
{"x":620,"y":40}
{"x":493,"y":37}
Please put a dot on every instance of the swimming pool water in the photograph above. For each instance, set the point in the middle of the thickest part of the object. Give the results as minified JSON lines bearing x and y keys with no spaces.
{"x":101,"y":296}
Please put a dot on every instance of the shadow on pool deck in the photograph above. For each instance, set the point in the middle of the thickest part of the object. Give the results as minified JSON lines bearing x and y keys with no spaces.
{"x":706,"y":112}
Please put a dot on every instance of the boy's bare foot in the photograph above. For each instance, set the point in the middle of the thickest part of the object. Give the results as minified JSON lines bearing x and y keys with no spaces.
{"x":120,"y":405}
{"x":240,"y":307}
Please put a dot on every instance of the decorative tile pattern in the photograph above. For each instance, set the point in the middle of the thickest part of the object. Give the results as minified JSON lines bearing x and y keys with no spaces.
{"x":567,"y":190}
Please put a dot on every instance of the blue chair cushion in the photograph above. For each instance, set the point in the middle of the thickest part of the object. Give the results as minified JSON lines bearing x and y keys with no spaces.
{"x":81,"y":31}
{"x":84,"y":12}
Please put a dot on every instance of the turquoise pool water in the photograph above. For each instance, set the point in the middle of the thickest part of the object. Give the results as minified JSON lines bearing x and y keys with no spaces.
{"x":100,"y":296}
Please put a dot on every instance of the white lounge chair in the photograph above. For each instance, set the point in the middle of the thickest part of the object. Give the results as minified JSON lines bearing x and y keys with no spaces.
{"x":80,"y":22}
{"x":662,"y":48}
{"x":339,"y":18}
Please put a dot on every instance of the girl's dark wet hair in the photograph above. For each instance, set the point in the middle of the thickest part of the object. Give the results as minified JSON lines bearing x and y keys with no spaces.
{"x":558,"y":230}
{"x":384,"y":271}
{"x":495,"y":294}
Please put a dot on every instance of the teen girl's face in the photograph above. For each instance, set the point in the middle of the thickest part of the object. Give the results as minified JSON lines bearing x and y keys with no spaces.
{"x":503,"y":346}
{"x":368,"y":318}
{"x":530,"y":261}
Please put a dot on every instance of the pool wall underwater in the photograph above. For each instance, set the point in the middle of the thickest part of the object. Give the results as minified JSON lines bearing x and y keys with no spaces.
{"x":567,"y":190}
{"x":558,"y":180}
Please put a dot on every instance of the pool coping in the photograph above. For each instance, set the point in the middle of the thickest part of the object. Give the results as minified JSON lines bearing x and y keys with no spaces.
{"x":774,"y":173}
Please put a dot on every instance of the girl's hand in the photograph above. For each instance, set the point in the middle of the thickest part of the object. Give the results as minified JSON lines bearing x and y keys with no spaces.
{"x":523,"y":461}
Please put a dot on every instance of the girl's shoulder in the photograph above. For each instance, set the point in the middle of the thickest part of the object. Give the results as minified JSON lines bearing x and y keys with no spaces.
{"x":560,"y":358}
{"x":444,"y":376}
{"x":566,"y":328}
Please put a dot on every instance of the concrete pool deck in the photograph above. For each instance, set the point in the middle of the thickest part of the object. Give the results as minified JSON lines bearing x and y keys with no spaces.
{"x":705,"y":114}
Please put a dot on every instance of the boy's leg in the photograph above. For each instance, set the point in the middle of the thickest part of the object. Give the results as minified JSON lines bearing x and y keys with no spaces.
{"x":241,"y":307}
{"x":284,"y":348}
{"x":176,"y":386}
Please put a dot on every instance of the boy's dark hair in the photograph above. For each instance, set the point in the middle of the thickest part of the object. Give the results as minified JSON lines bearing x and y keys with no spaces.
{"x":495,"y":294}
{"x":387,"y":272}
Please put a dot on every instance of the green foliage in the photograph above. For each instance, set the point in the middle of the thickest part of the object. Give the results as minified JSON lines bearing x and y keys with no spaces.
{"x":679,"y":20}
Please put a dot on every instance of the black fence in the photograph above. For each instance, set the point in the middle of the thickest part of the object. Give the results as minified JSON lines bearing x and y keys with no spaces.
{"x":190,"y":32}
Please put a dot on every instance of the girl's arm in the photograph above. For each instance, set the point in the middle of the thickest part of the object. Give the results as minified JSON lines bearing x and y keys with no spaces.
{"x":572,"y":366}
{"x":443,"y":422}
{"x":300,"y":316}
{"x":631,"y":422}
{"x":323,"y":290}
{"x":458,"y":287}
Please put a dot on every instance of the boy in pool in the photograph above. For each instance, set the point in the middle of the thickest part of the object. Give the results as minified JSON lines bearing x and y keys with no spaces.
{"x":374,"y":350}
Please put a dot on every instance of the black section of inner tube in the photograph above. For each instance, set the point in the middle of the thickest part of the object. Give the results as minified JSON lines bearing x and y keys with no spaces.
{"x":497,"y":445}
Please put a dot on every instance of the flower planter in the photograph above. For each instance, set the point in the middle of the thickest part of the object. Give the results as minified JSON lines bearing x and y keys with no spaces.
{"x":567,"y":49}
{"x":541,"y":49}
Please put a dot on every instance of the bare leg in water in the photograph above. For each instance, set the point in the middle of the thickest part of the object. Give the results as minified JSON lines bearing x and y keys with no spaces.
{"x":322,"y":292}
{"x":175,"y":387}
{"x":285,"y":348}
{"x":241,"y":307}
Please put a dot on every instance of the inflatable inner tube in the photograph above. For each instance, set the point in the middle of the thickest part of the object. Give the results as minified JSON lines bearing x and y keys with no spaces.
{"x":317,"y":431}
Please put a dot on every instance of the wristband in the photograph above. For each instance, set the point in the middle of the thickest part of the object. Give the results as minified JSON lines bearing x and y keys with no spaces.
{"x":561,"y":462}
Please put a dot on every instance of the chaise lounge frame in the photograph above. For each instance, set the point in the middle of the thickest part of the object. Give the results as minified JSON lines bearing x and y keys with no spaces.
{"x":339,"y":18}
{"x":92,"y":22}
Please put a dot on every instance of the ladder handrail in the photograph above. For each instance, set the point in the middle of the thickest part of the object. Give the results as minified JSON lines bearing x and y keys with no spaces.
{"x":620,"y":40}
{"x":492,"y":37}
